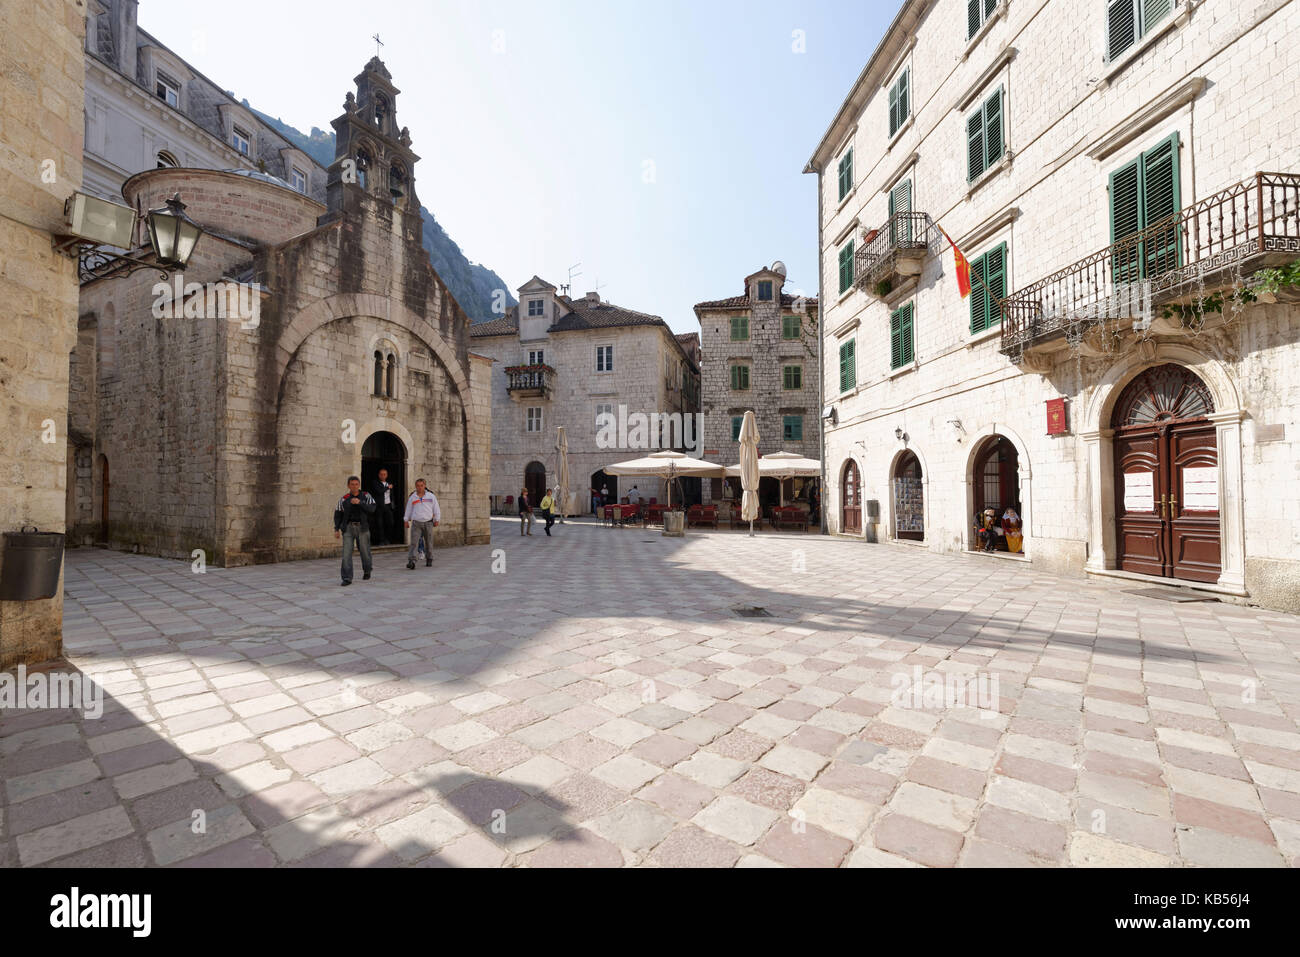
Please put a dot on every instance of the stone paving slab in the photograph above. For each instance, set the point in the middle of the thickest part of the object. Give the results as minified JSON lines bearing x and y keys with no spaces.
{"x":599,"y":703}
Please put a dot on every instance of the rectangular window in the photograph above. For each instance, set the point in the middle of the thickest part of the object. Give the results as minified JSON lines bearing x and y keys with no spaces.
{"x":736,"y":422}
{"x":1128,"y":21}
{"x":792,"y":377}
{"x":536,"y":356}
{"x":603,"y":408}
{"x":740,"y":377}
{"x":792,"y":428}
{"x":899,"y":106}
{"x":536,"y":307}
{"x":168,"y":90}
{"x":1142,"y":193}
{"x":739,"y":328}
{"x":534,"y":419}
{"x":901,"y":352}
{"x":846,"y":174}
{"x":241,"y":139}
{"x":977,"y":12}
{"x":984,"y":136}
{"x":298,"y":179}
{"x":848,"y":366}
{"x":791,"y":327}
{"x":604,"y":358}
{"x":988,"y":285}
{"x":765,"y":290}
{"x":846,"y":268}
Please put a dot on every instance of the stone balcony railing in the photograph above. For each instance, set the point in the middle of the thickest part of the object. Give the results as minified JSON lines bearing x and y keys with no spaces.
{"x":530,"y":382}
{"x":1203,"y":248}
{"x":892,"y":255}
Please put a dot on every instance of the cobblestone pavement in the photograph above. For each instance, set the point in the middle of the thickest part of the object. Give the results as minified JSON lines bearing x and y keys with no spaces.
{"x":598,"y":702}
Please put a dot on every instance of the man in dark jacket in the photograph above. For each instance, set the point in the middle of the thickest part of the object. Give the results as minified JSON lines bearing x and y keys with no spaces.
{"x":381,"y":490}
{"x":351,"y":523}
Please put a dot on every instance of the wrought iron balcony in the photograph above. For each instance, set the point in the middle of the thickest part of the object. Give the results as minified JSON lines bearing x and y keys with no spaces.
{"x":892,"y":254}
{"x":1208,"y":245}
{"x":530,"y":382}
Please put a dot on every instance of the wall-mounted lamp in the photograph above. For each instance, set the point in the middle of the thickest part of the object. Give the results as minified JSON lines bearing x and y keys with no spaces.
{"x":898,"y":434}
{"x":958,"y":429}
{"x":94,"y":223}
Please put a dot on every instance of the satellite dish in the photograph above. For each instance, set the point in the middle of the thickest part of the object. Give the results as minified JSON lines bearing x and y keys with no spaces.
{"x":778,"y":267}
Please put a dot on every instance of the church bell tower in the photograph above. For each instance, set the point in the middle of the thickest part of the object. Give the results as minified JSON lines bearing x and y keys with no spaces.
{"x":373,"y":160}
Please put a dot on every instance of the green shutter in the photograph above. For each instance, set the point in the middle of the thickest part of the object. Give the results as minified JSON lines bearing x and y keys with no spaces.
{"x":989,"y":7}
{"x":736,"y":422}
{"x":792,"y":428}
{"x":979,"y":300}
{"x":973,"y":17}
{"x":1121,"y":26}
{"x":846,"y":267}
{"x":1126,"y":217}
{"x":846,"y":173}
{"x":900,"y":337}
{"x":1153,"y":11}
{"x":898,"y":105}
{"x":900,"y":201}
{"x":848,"y":366}
{"x":790,"y":327}
{"x":893,"y":109}
{"x":974,"y":144}
{"x":992,"y":129}
{"x":904,"y":83}
{"x":1159,"y":201}
{"x":995,"y":272}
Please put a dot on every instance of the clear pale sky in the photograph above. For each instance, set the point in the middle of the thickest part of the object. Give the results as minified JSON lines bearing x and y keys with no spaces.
{"x":538,"y":124}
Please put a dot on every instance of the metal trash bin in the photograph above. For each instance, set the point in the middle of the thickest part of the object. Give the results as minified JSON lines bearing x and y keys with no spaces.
{"x":31,"y":564}
{"x":675,"y":524}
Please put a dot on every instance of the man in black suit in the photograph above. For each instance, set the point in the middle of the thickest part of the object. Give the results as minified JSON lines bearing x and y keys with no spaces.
{"x":381,"y":490}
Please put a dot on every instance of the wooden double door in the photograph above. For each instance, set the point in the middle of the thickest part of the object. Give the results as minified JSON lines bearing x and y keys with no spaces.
{"x":1166,"y":478}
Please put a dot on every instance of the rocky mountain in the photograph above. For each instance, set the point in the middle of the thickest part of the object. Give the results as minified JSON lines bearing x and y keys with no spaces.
{"x":473,"y":284}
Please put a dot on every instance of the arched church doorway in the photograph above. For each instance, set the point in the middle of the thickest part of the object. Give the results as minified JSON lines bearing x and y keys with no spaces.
{"x":1167,"y":476}
{"x":384,"y":450}
{"x":599,"y":480}
{"x":851,"y":499}
{"x":535,"y":482}
{"x":995,"y":484}
{"x":909,"y":498}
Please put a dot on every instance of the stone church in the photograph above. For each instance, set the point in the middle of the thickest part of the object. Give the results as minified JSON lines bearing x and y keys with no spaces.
{"x":224,"y":409}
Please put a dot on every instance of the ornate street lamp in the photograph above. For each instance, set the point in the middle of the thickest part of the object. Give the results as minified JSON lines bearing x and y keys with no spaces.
{"x":94,"y":223}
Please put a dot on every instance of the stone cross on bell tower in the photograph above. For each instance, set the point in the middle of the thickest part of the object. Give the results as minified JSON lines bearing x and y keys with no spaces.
{"x":372,"y":155}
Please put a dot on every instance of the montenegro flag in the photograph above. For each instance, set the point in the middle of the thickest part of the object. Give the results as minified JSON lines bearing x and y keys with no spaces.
{"x":962,"y":265}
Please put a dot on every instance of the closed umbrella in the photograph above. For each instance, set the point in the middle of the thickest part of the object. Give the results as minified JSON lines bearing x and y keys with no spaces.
{"x":562,"y":447}
{"x":749,"y":474}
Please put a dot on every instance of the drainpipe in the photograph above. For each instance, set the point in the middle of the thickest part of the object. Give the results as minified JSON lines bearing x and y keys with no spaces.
{"x":821,"y":350}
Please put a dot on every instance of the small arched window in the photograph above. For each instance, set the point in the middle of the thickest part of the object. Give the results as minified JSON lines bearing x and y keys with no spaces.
{"x":397,"y":182}
{"x":166,"y":160}
{"x":382,"y":112}
{"x":391,"y":381}
{"x":378,"y":388}
{"x":363,"y":166}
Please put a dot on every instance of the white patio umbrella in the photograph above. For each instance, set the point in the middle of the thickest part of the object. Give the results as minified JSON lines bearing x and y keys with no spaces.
{"x":749,"y":474}
{"x":783,"y":465}
{"x":562,"y":447}
{"x":666,"y":465}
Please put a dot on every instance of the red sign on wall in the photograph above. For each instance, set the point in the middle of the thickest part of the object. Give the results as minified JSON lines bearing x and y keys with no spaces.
{"x":1056,"y":421}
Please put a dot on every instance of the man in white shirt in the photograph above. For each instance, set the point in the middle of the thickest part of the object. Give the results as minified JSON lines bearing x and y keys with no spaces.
{"x":634,"y":496}
{"x":422,"y":517}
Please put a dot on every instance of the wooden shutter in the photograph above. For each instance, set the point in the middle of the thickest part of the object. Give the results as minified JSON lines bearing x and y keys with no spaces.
{"x":900,"y":337}
{"x":908,"y":350}
{"x":992,"y":129}
{"x":1153,"y":11}
{"x":900,"y":201}
{"x":904,"y":83}
{"x":984,"y":296}
{"x":1126,"y":217}
{"x":893,"y":109}
{"x":979,"y":304}
{"x":974,"y":144}
{"x":973,"y":17}
{"x":989,"y":7}
{"x":846,"y":267}
{"x":846,"y":174}
{"x":1121,"y":26}
{"x":848,"y":366}
{"x":1160,"y":200}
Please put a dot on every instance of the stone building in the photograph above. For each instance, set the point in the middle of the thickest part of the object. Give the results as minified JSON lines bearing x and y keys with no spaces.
{"x":760,"y":353}
{"x":147,"y":107}
{"x":311,"y":340}
{"x":562,"y":361}
{"x":41,"y":114}
{"x":1106,"y":168}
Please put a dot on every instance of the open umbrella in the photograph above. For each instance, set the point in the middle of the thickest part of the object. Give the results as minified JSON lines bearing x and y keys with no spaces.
{"x":666,"y":465}
{"x":749,"y":474}
{"x":562,"y":447}
{"x":783,"y":465}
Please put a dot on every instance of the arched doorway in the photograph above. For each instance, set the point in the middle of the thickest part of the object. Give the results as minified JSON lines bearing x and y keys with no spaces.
{"x":851,"y":499}
{"x":995,"y":484}
{"x":535,"y":482}
{"x":599,"y":480}
{"x":384,"y":450}
{"x":1167,"y":476}
{"x":909,"y":498}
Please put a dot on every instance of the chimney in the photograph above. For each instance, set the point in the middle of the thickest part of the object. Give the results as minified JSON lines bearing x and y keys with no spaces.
{"x":593,"y":297}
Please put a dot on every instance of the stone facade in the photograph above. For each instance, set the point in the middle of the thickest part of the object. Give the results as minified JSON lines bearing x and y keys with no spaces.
{"x":765,"y":337}
{"x":235,"y":436}
{"x":41,"y":114}
{"x":1213,"y":75}
{"x":651,"y":372}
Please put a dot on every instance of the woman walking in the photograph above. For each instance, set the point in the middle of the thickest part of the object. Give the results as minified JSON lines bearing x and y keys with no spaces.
{"x":525,"y":512}
{"x":548,"y":511}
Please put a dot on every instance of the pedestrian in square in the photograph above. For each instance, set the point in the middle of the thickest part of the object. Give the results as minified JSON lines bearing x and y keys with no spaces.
{"x":352,"y":524}
{"x":421,"y":517}
{"x":548,"y":513}
{"x":525,"y":512}
{"x":381,"y":490}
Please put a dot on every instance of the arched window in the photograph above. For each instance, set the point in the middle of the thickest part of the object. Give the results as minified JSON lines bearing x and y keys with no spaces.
{"x":390,"y":383}
{"x":382,"y":112}
{"x":397,"y":182}
{"x":166,"y":160}
{"x":363,"y":166}
{"x":378,"y":388}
